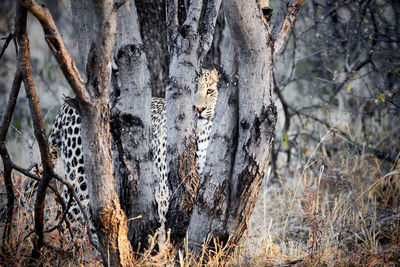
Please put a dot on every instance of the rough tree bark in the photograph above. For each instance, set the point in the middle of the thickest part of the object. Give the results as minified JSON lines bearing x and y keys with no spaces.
{"x":190,"y":35}
{"x":131,"y":130}
{"x":219,"y":204}
{"x":242,"y":136}
{"x":153,"y":31}
{"x":109,"y":219}
{"x":93,"y":99}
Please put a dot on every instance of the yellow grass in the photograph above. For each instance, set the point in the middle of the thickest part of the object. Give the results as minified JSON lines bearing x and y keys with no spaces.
{"x":336,"y":210}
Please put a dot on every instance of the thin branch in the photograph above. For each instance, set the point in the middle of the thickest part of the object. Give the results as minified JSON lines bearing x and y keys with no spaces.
{"x":82,"y":208}
{"x":5,"y":123}
{"x":57,"y":46}
{"x":40,"y":134}
{"x":70,"y":188}
{"x":10,"y":194}
{"x":8,"y":40}
{"x":285,"y":18}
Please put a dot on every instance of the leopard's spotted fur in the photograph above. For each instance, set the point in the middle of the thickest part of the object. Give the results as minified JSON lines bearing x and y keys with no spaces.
{"x":66,"y":141}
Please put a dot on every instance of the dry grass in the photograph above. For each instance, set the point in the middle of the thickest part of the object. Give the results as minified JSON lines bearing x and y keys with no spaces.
{"x":337,"y":210}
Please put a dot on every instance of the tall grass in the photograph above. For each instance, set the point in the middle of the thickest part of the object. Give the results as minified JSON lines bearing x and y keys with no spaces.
{"x":338,"y":209}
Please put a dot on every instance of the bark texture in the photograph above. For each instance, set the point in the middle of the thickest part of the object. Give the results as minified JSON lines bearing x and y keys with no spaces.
{"x":190,"y":34}
{"x":230,"y":186}
{"x":153,"y":31}
{"x":116,"y":130}
{"x":38,"y":125}
{"x":108,"y":217}
{"x":131,"y":131}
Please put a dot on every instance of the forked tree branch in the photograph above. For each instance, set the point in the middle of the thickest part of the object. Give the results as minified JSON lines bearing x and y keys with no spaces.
{"x":57,"y":46}
{"x":59,"y":197}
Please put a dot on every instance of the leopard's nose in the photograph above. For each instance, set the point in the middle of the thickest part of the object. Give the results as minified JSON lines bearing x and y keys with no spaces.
{"x":200,"y":109}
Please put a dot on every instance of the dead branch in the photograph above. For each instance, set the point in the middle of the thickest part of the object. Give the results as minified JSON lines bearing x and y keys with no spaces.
{"x":285,"y":18}
{"x":5,"y":123}
{"x":8,"y":40}
{"x":27,"y":173}
{"x":57,"y":46}
{"x":40,"y":134}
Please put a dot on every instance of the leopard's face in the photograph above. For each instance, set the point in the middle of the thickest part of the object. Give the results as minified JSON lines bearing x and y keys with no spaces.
{"x":207,"y":94}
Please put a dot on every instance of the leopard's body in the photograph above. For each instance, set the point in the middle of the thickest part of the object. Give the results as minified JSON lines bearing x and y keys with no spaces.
{"x":66,"y":141}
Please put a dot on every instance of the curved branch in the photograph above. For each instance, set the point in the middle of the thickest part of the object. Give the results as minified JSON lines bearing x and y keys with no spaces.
{"x":57,"y":46}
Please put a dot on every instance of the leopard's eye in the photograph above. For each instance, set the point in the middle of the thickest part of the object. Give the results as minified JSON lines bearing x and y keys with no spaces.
{"x":209,"y":91}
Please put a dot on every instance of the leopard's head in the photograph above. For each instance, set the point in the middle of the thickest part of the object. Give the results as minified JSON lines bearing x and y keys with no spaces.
{"x":207,"y":94}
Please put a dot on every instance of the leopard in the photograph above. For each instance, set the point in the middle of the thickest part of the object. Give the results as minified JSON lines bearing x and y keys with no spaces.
{"x":65,"y":142}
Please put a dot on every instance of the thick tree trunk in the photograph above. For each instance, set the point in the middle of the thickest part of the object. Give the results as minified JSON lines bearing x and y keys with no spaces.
{"x":190,"y":34}
{"x":230,"y":186}
{"x":131,"y":131}
{"x":153,"y":31}
{"x":220,"y":203}
{"x":108,"y":217}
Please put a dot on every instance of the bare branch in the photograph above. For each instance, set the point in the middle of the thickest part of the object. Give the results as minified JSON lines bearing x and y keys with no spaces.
{"x":27,"y":173}
{"x":285,"y":18}
{"x":57,"y":46}
{"x":40,"y":134}
{"x":81,"y":207}
{"x":5,"y":123}
{"x":8,"y":40}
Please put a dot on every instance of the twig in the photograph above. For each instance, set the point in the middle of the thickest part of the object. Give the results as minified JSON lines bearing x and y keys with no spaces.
{"x":8,"y":40}
{"x":372,"y":186}
{"x":302,"y":175}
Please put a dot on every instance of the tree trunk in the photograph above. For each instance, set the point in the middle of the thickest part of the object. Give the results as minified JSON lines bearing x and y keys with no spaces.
{"x":242,"y":135}
{"x":131,"y":131}
{"x":108,"y":217}
{"x":190,"y":34}
{"x":218,"y":204}
{"x":153,"y":31}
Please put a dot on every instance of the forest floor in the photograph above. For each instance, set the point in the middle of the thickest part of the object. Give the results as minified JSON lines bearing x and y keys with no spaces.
{"x":338,"y":209}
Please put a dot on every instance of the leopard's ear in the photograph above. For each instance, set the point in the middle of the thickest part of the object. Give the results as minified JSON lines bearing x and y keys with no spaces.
{"x":214,"y":75}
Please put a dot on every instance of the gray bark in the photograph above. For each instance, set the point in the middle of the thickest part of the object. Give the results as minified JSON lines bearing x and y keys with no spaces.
{"x":219,"y":204}
{"x":230,"y":186}
{"x":153,"y":31}
{"x":109,"y":219}
{"x":188,"y":44}
{"x":83,"y":23}
{"x":131,"y":131}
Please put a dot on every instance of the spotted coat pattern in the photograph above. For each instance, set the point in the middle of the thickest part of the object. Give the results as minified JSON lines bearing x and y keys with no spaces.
{"x":66,"y":142}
